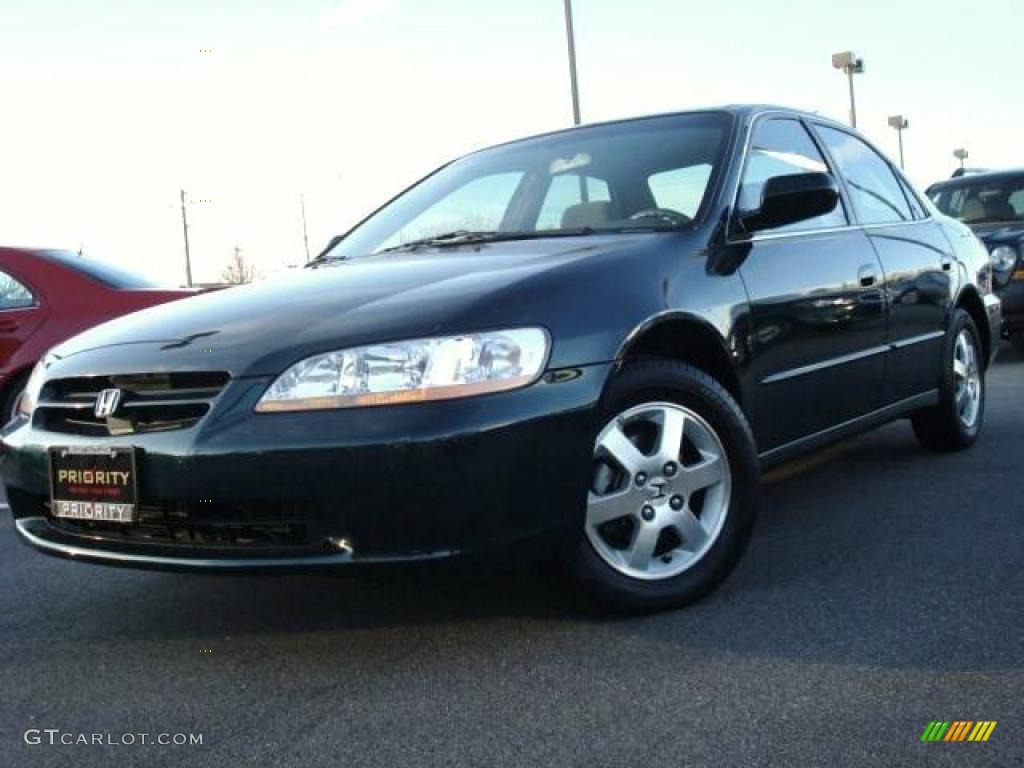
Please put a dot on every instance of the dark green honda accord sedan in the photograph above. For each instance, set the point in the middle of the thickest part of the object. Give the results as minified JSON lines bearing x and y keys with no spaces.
{"x":584,"y":344}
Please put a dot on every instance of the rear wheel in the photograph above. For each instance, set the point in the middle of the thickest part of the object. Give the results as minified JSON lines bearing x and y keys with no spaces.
{"x":673,"y":493}
{"x":954,"y":424}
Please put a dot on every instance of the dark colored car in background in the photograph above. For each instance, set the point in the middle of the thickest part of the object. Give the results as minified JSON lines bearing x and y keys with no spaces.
{"x":992,"y":204}
{"x":585,"y":343}
{"x":47,"y":296}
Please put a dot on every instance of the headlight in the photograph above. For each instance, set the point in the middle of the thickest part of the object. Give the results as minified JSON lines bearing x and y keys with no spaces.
{"x":411,"y":371}
{"x":1003,"y":258}
{"x":30,"y":396}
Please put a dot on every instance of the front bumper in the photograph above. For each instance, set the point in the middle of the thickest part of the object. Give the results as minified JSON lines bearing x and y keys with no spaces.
{"x":1013,"y":305}
{"x":367,"y":485}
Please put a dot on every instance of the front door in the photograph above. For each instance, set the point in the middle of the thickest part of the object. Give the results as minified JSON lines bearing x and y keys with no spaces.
{"x":818,"y":314}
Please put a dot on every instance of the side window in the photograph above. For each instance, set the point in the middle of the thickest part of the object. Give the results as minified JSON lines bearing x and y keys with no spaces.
{"x":14,"y":295}
{"x":782,"y":147}
{"x":874,"y":190}
{"x":478,"y":206}
{"x":563,"y":193}
{"x":1017,"y":201}
{"x":916,"y":209}
{"x":680,"y":189}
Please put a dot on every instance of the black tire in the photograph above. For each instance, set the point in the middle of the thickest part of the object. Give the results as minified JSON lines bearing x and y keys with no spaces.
{"x":1017,"y":340}
{"x":662,"y":380}
{"x":941,"y":428}
{"x":11,"y":395}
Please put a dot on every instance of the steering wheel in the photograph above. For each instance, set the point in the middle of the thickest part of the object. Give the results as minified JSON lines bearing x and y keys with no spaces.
{"x":673,"y":218}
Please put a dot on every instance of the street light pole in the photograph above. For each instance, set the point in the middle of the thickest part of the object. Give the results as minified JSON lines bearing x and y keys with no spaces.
{"x":851,"y":65}
{"x":853,"y":100}
{"x":305,"y":235}
{"x":573,"y":84}
{"x":184,"y":228}
{"x":900,"y":123}
{"x":961,"y":155}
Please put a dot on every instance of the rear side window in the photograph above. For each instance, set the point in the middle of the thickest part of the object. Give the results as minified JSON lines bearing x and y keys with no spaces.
{"x":783,"y":147}
{"x":875,"y":192}
{"x":13,"y":294}
{"x":915,"y":204}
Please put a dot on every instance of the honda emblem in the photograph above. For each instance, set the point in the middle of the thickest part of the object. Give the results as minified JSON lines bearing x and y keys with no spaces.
{"x":106,"y":402}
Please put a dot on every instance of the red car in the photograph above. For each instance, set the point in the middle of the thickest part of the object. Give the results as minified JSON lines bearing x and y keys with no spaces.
{"x":47,"y":296}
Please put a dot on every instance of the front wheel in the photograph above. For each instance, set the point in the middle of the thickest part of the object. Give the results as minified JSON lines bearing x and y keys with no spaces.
{"x":955,"y":423}
{"x":674,"y":489}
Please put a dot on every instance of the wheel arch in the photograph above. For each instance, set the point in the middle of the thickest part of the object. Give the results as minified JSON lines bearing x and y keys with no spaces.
{"x":970,"y":302}
{"x":685,"y":338}
{"x":15,"y":378}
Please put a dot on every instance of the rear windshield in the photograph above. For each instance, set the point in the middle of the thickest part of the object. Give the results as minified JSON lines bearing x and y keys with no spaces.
{"x":982,"y":200}
{"x":108,"y":274}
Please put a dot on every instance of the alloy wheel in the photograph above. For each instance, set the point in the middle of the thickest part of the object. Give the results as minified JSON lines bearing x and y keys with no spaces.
{"x":660,"y":491}
{"x":966,"y":378}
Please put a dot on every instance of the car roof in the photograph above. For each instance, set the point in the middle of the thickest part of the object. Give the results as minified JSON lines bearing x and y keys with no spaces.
{"x":742,"y":111}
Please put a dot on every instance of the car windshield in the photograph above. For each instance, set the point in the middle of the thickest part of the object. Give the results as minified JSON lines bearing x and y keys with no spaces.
{"x":638,"y":175}
{"x":109,"y":275}
{"x":982,"y":200}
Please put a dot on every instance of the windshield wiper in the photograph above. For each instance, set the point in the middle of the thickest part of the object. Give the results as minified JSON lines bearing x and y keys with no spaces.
{"x":463,"y":237}
{"x":455,"y":237}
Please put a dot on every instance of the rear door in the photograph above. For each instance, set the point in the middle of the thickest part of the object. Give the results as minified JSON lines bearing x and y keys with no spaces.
{"x":916,"y":257}
{"x":816,"y":306}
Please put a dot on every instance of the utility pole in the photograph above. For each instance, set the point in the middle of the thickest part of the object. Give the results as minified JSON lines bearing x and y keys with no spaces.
{"x":184,"y":228}
{"x":571,"y":38}
{"x":305,"y":235}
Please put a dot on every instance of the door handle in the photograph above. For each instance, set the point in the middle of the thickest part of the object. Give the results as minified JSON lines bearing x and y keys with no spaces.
{"x":867,"y":275}
{"x":6,"y":326}
{"x":947,"y":263}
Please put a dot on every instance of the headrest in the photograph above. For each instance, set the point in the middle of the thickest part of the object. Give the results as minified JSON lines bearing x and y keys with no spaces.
{"x":595,"y":214}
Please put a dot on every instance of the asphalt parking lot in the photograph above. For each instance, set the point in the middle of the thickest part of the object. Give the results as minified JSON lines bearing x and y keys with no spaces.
{"x":884,"y":589}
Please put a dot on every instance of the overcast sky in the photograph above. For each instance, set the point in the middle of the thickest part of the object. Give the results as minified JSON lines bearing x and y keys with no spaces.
{"x":109,"y":108}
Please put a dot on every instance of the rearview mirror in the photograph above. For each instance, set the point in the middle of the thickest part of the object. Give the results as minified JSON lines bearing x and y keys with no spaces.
{"x":789,"y":199}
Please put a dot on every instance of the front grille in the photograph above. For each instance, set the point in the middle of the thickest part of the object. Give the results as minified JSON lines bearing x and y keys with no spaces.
{"x":150,"y":402}
{"x":272,"y":527}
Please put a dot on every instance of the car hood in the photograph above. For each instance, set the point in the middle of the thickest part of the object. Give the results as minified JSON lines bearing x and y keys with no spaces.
{"x":263,"y":328}
{"x":997,"y":233}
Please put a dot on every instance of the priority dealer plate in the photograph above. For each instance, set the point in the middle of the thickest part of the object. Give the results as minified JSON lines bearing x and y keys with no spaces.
{"x":92,"y":483}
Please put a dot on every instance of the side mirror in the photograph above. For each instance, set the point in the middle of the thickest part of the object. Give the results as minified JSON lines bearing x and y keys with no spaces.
{"x":789,"y":199}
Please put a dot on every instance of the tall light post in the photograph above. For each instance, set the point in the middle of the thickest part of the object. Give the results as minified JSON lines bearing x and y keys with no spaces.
{"x":900,"y":123}
{"x":184,"y":227}
{"x":851,"y":65}
{"x":573,"y":84}
{"x":305,"y":234}
{"x":961,"y":155}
